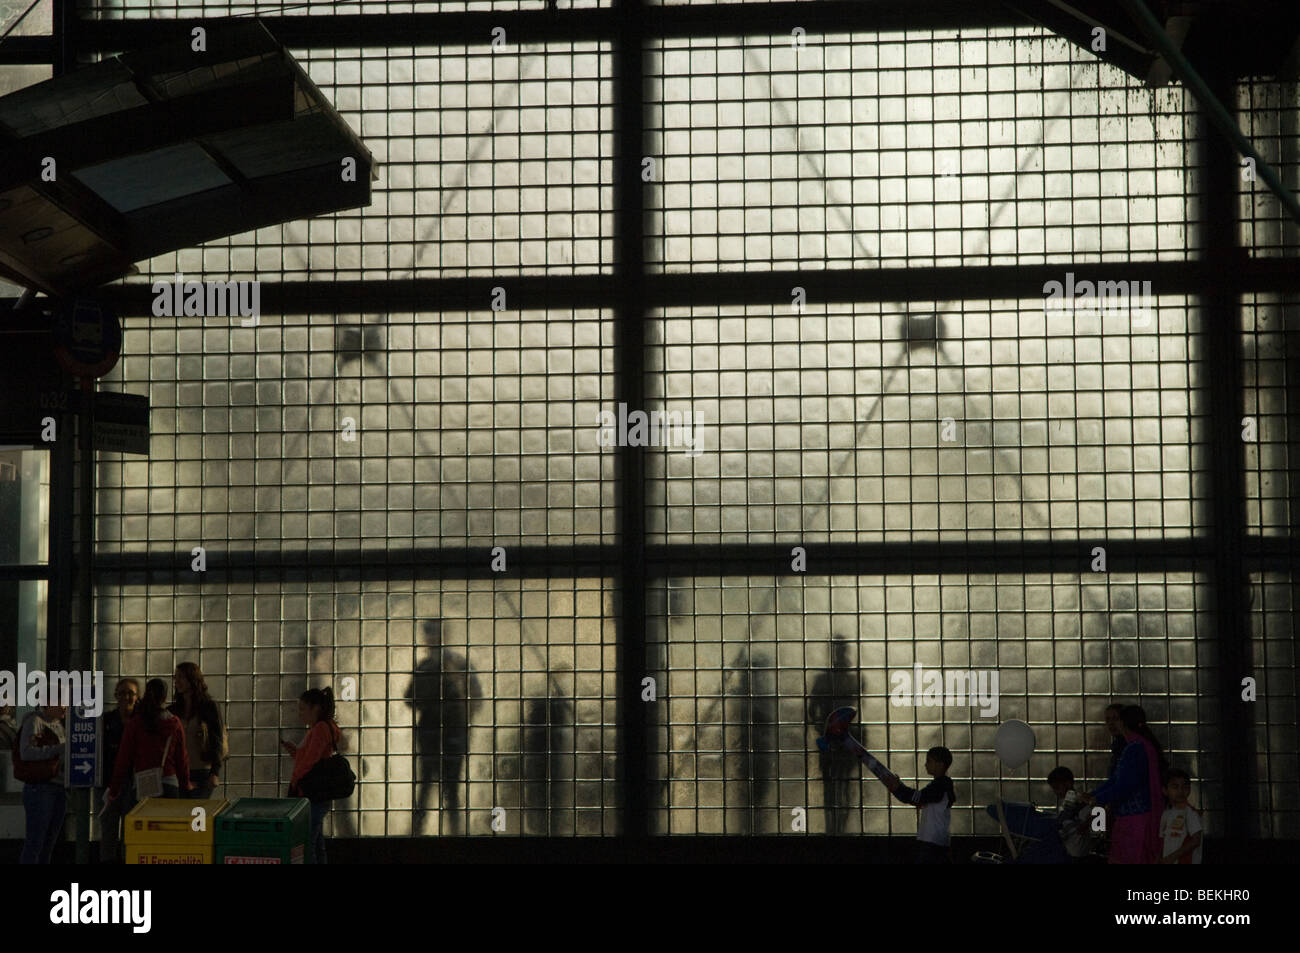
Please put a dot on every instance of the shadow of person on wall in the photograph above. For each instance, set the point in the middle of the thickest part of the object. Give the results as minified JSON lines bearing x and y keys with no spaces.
{"x":831,"y":689}
{"x":547,"y":763}
{"x":444,"y":695}
{"x":749,"y":720}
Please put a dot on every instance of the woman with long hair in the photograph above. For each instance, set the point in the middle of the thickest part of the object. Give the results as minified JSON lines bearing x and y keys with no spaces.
{"x":316,"y":712}
{"x":153,"y":738}
{"x":1137,"y":791}
{"x":205,"y":733}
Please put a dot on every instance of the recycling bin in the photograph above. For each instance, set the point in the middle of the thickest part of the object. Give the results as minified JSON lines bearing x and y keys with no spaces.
{"x":164,"y":830}
{"x":264,"y":830}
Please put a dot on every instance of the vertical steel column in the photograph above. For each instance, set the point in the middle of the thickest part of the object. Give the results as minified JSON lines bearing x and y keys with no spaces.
{"x":64,"y":17}
{"x":629,"y":388}
{"x":83,"y":643}
{"x":59,"y":594}
{"x":67,"y":649}
{"x":1289,"y":310}
{"x":1219,"y":214}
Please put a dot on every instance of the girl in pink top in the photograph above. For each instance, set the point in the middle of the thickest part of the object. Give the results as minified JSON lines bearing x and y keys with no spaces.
{"x":316,"y":711}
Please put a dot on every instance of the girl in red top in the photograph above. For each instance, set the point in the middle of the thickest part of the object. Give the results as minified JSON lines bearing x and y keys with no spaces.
{"x":145,"y":740}
{"x":316,"y":711}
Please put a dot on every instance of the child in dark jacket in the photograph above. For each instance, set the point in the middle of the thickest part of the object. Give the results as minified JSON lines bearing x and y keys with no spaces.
{"x":935,"y":802}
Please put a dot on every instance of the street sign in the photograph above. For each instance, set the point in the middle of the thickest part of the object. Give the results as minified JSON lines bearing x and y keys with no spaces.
{"x":87,"y":338}
{"x":121,"y":422}
{"x":84,"y":750}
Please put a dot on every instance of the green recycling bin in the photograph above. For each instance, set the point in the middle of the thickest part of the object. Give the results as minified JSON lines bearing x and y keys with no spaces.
{"x":263,"y":830}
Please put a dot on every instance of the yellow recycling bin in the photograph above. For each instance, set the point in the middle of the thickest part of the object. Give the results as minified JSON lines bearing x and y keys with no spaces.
{"x":165,"y":830}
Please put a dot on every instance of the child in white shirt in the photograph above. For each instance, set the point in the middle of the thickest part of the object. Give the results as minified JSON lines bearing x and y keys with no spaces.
{"x":1181,"y":828}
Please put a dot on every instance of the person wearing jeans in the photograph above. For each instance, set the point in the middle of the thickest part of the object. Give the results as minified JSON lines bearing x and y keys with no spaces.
{"x":46,"y":803}
{"x":318,"y":811}
{"x":127,"y":694}
{"x":204,"y":730}
{"x":316,"y":711}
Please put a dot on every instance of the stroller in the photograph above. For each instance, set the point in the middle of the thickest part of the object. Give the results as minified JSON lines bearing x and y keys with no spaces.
{"x":1033,"y":836}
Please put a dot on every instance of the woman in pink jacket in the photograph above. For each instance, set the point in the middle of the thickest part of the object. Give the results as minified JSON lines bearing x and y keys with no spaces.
{"x":316,"y":710}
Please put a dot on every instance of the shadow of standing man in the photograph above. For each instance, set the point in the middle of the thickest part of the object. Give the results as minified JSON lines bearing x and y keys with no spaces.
{"x":831,"y":689}
{"x":444,"y":694}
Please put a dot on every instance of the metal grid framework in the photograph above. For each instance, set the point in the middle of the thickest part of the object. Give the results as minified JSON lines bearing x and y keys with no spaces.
{"x":1277,"y":739}
{"x":508,"y":701}
{"x":192,"y":9}
{"x":985,"y":420}
{"x":1270,"y":374}
{"x":1269,"y":114}
{"x":364,"y":433}
{"x":755,"y":665}
{"x":513,"y":183}
{"x":908,"y":150}
{"x":974,"y":165}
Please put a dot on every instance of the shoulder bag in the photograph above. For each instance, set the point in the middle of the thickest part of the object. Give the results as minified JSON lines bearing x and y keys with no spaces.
{"x":329,"y":779}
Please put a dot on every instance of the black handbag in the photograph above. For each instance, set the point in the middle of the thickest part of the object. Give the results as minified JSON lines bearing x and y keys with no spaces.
{"x":329,"y":779}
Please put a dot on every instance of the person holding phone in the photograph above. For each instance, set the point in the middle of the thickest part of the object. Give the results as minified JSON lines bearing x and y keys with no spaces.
{"x":316,"y":712}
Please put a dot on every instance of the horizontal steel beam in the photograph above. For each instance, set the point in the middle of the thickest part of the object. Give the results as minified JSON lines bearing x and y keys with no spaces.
{"x":353,"y":31}
{"x":831,"y":285}
{"x":27,"y":50}
{"x":758,"y":560}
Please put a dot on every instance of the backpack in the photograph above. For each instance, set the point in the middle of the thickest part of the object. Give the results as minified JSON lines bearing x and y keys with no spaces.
{"x":32,"y":772}
{"x":329,"y":779}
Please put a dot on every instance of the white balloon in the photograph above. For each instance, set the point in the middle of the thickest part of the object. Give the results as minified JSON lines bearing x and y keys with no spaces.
{"x":1014,"y":743}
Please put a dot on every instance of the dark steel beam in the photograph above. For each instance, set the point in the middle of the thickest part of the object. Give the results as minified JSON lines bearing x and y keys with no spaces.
{"x":629,"y":340}
{"x":64,"y":35}
{"x":1124,"y":48}
{"x":1222,"y":380}
{"x":845,"y":285}
{"x":1184,"y":554}
{"x":353,"y":31}
{"x":28,"y":50}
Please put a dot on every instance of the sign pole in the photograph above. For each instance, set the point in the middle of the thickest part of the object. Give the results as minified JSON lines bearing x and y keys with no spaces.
{"x":88,"y":343}
{"x":83,"y":651}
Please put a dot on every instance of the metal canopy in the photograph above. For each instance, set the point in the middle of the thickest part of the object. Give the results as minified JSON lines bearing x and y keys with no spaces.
{"x":164,"y":149}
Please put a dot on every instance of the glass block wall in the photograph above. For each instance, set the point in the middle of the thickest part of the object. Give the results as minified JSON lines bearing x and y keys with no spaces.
{"x":975,"y":420}
{"x":906,"y":150}
{"x":754,"y":667}
{"x":457,"y":697}
{"x":950,"y":419}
